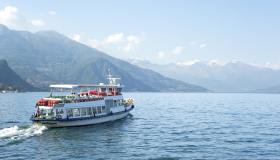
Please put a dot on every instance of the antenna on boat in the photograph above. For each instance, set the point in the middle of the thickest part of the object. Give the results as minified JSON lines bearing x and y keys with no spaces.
{"x":112,"y":80}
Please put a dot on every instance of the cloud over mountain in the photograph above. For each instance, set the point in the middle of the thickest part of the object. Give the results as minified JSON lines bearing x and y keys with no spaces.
{"x":12,"y":17}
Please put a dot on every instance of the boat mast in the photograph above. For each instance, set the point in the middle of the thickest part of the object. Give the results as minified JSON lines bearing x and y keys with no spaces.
{"x":112,"y":80}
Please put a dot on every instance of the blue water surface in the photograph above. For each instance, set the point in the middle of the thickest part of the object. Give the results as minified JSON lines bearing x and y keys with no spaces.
{"x":162,"y":126}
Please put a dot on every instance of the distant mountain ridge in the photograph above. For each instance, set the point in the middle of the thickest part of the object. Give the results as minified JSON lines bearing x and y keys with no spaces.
{"x":48,"y":57}
{"x":229,"y":77}
{"x":273,"y":89}
{"x":10,"y":80}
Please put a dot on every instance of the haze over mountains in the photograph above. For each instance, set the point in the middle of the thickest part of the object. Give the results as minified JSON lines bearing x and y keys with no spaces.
{"x":47,"y":57}
{"x":229,"y":77}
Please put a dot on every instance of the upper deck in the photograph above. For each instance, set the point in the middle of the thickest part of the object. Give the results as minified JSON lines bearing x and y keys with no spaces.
{"x":111,"y":87}
{"x":82,"y":92}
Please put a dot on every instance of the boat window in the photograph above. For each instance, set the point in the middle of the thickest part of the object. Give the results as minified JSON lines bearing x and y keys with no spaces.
{"x":94,"y":110}
{"x":59,"y":111}
{"x":99,"y":109}
{"x":50,"y":112}
{"x":76,"y":112}
{"x":109,"y":103}
{"x":103,"y":109}
{"x":83,"y":111}
{"x":69,"y":113}
{"x":89,"y":111}
{"x":43,"y":112}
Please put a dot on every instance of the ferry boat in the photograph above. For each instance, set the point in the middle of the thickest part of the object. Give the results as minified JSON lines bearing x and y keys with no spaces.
{"x":84,"y":105}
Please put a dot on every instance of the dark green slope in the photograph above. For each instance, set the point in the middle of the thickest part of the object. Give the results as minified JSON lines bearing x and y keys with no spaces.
{"x":49,"y":57}
{"x":9,"y":78}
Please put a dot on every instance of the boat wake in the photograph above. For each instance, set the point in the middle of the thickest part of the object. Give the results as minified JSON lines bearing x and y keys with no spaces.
{"x":19,"y":133}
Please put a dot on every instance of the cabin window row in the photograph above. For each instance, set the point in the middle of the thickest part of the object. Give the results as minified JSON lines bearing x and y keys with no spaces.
{"x":113,"y":103}
{"x":88,"y":111}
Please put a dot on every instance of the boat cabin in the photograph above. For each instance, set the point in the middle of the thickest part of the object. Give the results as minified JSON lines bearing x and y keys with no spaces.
{"x":82,"y":101}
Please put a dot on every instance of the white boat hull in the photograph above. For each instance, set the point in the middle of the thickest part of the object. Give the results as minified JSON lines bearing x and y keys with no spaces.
{"x":83,"y":122}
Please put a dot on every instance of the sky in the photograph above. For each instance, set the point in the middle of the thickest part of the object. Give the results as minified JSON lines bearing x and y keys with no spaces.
{"x":161,"y":31}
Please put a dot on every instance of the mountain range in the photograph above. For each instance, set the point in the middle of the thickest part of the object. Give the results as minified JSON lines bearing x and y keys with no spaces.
{"x":228,"y":77}
{"x":47,"y":57}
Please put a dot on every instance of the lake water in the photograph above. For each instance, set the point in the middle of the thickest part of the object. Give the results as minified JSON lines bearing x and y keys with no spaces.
{"x":162,"y":126}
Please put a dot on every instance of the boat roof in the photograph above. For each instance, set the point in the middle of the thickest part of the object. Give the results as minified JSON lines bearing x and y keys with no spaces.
{"x":75,"y":86}
{"x":68,"y":86}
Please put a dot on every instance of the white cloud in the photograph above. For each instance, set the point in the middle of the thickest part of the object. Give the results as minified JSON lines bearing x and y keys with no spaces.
{"x":52,"y":13}
{"x":178,"y":50}
{"x":121,"y":41}
{"x":94,"y":43}
{"x":272,"y":66}
{"x":188,"y":63}
{"x":114,"y":38}
{"x":76,"y":37}
{"x":161,"y":54}
{"x":203,"y":45}
{"x":37,"y":22}
{"x":115,"y":42}
{"x":133,"y":39}
{"x":131,"y":42}
{"x":9,"y":16}
{"x":216,"y":62}
{"x":91,"y":42}
{"x":128,"y":47}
